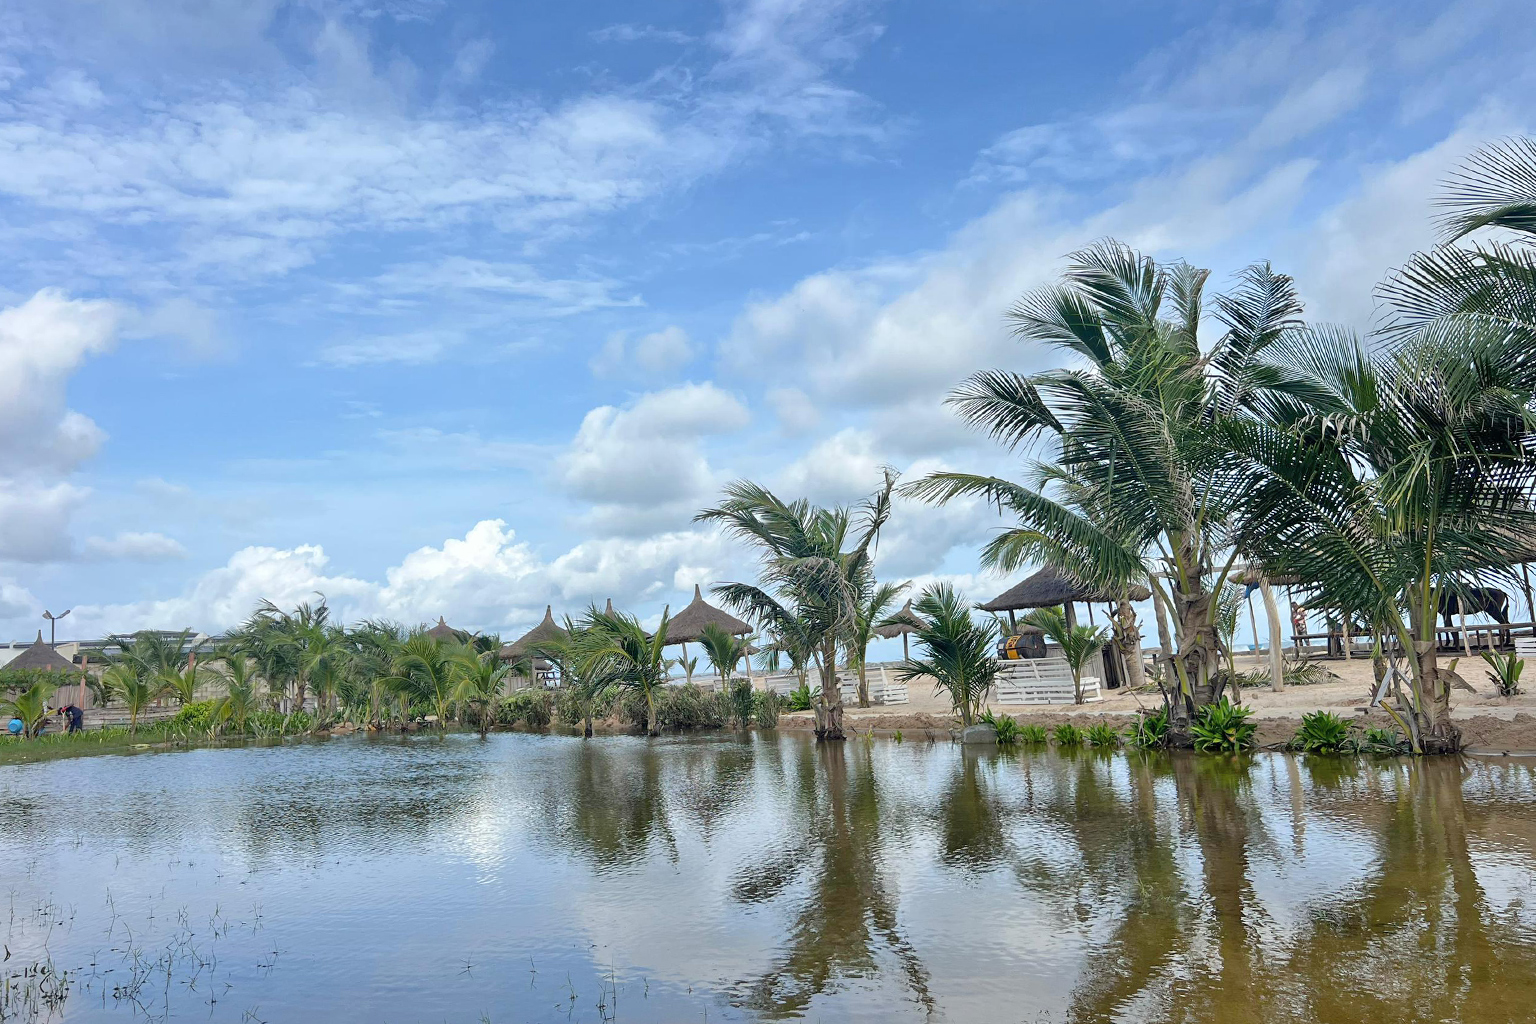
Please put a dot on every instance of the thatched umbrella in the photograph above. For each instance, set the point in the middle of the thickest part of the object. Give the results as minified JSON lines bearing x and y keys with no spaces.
{"x":688,"y":625}
{"x":544,"y":632}
{"x":902,"y":623}
{"x":41,"y":656}
{"x":1050,"y":587}
{"x":444,"y":633}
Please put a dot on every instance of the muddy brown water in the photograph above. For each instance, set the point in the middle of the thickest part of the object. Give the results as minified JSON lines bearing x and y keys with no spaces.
{"x":539,"y":878}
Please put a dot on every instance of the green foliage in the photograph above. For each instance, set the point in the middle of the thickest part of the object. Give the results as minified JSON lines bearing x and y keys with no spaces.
{"x":269,"y":723}
{"x":1223,"y":727}
{"x":896,"y":736}
{"x":16,"y":680}
{"x":798,"y":699}
{"x":688,"y":707}
{"x":570,"y":706}
{"x":1032,"y":733}
{"x":198,"y":716}
{"x":741,"y":703}
{"x":1150,"y":730}
{"x":31,"y":706}
{"x":1006,"y":727}
{"x":957,"y":650}
{"x":1323,"y":732}
{"x":1505,"y":672}
{"x":533,"y":707}
{"x":1078,"y":643}
{"x":1069,"y":735}
{"x":1386,"y":742}
{"x":1103,"y":735}
{"x":765,"y":709}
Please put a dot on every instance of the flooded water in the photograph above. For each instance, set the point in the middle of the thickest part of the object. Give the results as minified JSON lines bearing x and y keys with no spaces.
{"x":530,"y":878}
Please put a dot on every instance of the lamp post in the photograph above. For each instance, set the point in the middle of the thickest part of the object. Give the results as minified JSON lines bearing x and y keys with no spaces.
{"x":53,"y":622}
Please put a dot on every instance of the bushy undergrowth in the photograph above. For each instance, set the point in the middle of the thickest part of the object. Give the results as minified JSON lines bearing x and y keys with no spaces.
{"x":798,"y":699}
{"x":1150,"y":731}
{"x":1323,"y":732}
{"x":765,"y":709}
{"x":532,"y":707}
{"x":1103,"y":735}
{"x":1032,"y":733}
{"x":1069,"y":735}
{"x":1006,"y":727}
{"x":195,"y":717}
{"x":1223,"y":727}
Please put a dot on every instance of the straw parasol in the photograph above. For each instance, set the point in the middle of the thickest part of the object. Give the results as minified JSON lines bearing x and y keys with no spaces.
{"x":41,"y":656}
{"x":446,"y":633}
{"x":688,"y":625}
{"x":545,"y":631}
{"x":1050,"y":587}
{"x":902,"y":623}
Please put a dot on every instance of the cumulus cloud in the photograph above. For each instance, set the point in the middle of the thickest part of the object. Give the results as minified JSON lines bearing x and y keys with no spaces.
{"x":134,"y":547}
{"x":645,"y":463}
{"x":658,"y":352}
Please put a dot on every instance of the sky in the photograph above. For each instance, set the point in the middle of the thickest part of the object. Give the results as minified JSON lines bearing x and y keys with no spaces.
{"x":457,"y":308}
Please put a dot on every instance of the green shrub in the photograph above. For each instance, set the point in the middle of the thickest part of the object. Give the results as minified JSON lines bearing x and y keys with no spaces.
{"x":1103,"y":735}
{"x":1150,"y":730}
{"x":1006,"y":726}
{"x":570,"y":708}
{"x":275,"y":723}
{"x":1223,"y":727}
{"x":1386,"y":742}
{"x":1322,"y":732}
{"x":798,"y":699}
{"x":765,"y":709}
{"x":1032,"y":733}
{"x":534,"y":708}
{"x":1069,"y":735}
{"x":1505,"y":672}
{"x":195,"y":717}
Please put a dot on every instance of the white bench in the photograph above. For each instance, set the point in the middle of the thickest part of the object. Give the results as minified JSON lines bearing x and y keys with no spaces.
{"x":883,"y":687}
{"x":1040,"y":681}
{"x":1525,"y":646}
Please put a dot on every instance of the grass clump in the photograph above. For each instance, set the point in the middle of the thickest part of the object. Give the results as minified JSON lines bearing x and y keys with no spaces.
{"x":1069,"y":735}
{"x":1150,"y":731}
{"x":1006,"y":727}
{"x":1103,"y":735}
{"x":1223,"y":728}
{"x":1504,"y":672}
{"x":1323,"y":732}
{"x":1032,"y":733}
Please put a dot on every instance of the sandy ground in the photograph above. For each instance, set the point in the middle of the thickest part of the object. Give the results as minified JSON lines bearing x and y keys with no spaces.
{"x":1489,"y":723}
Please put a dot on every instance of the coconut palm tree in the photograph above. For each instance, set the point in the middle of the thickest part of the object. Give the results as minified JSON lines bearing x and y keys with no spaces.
{"x":480,"y":677}
{"x":240,"y":697}
{"x":583,"y":680}
{"x":1078,"y":643}
{"x":1139,"y":418}
{"x":30,"y":706}
{"x":957,"y":651}
{"x":424,"y":671}
{"x":815,"y":563}
{"x":183,"y":683}
{"x":870,"y":612}
{"x":151,"y":654}
{"x":612,"y":647}
{"x":724,"y":652}
{"x":137,"y":693}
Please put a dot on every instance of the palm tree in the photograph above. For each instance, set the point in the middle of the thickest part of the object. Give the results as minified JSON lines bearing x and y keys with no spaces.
{"x":814,"y":565}
{"x":724,"y":652}
{"x":583,"y":680}
{"x":870,"y":613}
{"x":150,"y":654}
{"x":1077,"y":643}
{"x":480,"y":677}
{"x":958,"y":651}
{"x":31,"y":706}
{"x":1140,"y":420}
{"x":372,"y":647}
{"x":239,"y":690}
{"x":424,"y":671}
{"x":136,"y":692}
{"x":182,"y":684}
{"x":614,"y":648}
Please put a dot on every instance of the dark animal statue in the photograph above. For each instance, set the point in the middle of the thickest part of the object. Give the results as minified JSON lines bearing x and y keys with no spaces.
{"x":1472,"y":600}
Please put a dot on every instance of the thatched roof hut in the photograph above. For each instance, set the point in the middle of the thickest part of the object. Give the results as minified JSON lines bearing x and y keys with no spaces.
{"x":41,"y":655}
{"x":546,"y":630}
{"x":901,"y":623}
{"x":688,"y":625}
{"x":447,"y":634}
{"x":1050,"y":587}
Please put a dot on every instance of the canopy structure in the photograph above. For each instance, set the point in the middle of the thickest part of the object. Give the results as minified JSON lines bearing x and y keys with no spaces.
{"x":41,"y":656}
{"x":901,"y":624}
{"x":688,"y":625}
{"x":1050,"y":587}
{"x":446,"y":633}
{"x":545,"y":631}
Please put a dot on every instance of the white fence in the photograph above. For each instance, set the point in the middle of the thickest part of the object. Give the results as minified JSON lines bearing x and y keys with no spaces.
{"x":1041,"y":681}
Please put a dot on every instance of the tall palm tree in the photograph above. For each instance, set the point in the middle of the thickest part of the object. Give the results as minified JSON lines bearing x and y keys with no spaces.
{"x":614,"y":648}
{"x":1078,"y":643}
{"x":150,"y":654}
{"x":136,"y":692}
{"x":870,"y":611}
{"x":724,"y":652}
{"x":814,"y":565}
{"x":583,"y":679}
{"x":1139,"y":418}
{"x":480,"y":677}
{"x":957,"y":651}
{"x":424,"y":671}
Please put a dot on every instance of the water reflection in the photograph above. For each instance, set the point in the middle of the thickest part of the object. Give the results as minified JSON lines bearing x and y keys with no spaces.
{"x":768,"y":878}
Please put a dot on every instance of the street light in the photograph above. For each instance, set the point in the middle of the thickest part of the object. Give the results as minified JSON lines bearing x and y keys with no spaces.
{"x":53,"y":623}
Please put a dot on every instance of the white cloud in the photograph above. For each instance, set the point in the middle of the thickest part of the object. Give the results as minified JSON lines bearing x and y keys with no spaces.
{"x":645,"y":463}
{"x":794,"y":409}
{"x":16,"y":602}
{"x":34,"y":519}
{"x":414,"y":348}
{"x":658,"y":352}
{"x":135,"y":547}
{"x":43,"y":342}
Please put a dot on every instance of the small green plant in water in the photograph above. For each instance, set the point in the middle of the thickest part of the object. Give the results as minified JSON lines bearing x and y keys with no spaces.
{"x":1150,"y":730}
{"x":1006,"y":727}
{"x":798,"y":699}
{"x":1068,"y":735}
{"x":1103,"y":735}
{"x":1223,"y":728}
{"x":1384,"y":742}
{"x":1033,"y":734}
{"x":1505,"y":672}
{"x":897,"y":736}
{"x":1322,"y":732}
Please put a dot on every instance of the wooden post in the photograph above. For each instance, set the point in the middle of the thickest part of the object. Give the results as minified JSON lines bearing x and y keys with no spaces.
{"x":1525,"y":580}
{"x":1090,"y":612}
{"x":1344,"y":620}
{"x":1071,"y":614}
{"x":1466,"y":641}
{"x":1253,"y":624}
{"x":1272,"y":613}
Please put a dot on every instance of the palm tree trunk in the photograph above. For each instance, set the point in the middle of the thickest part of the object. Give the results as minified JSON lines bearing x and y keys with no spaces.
{"x":829,"y":703}
{"x":863,"y":685}
{"x":650,"y":715}
{"x":1438,"y":733}
{"x":1129,"y":636}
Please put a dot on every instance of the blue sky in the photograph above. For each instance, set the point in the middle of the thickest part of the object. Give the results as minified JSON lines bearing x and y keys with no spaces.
{"x":464,"y":308}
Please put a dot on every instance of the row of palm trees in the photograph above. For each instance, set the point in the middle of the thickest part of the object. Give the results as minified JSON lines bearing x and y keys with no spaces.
{"x":1375,"y":475}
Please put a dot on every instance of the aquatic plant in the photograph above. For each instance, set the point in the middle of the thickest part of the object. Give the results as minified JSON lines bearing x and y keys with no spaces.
{"x":1223,"y":727}
{"x":1505,"y":671}
{"x":1103,"y":735}
{"x":1322,"y":732}
{"x":1150,"y":730}
{"x":765,"y":709}
{"x":896,"y":736}
{"x":1386,"y":742}
{"x":1069,"y":735}
{"x":1006,"y":727}
{"x":1032,"y":733}
{"x":741,"y":703}
{"x":798,"y":699}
